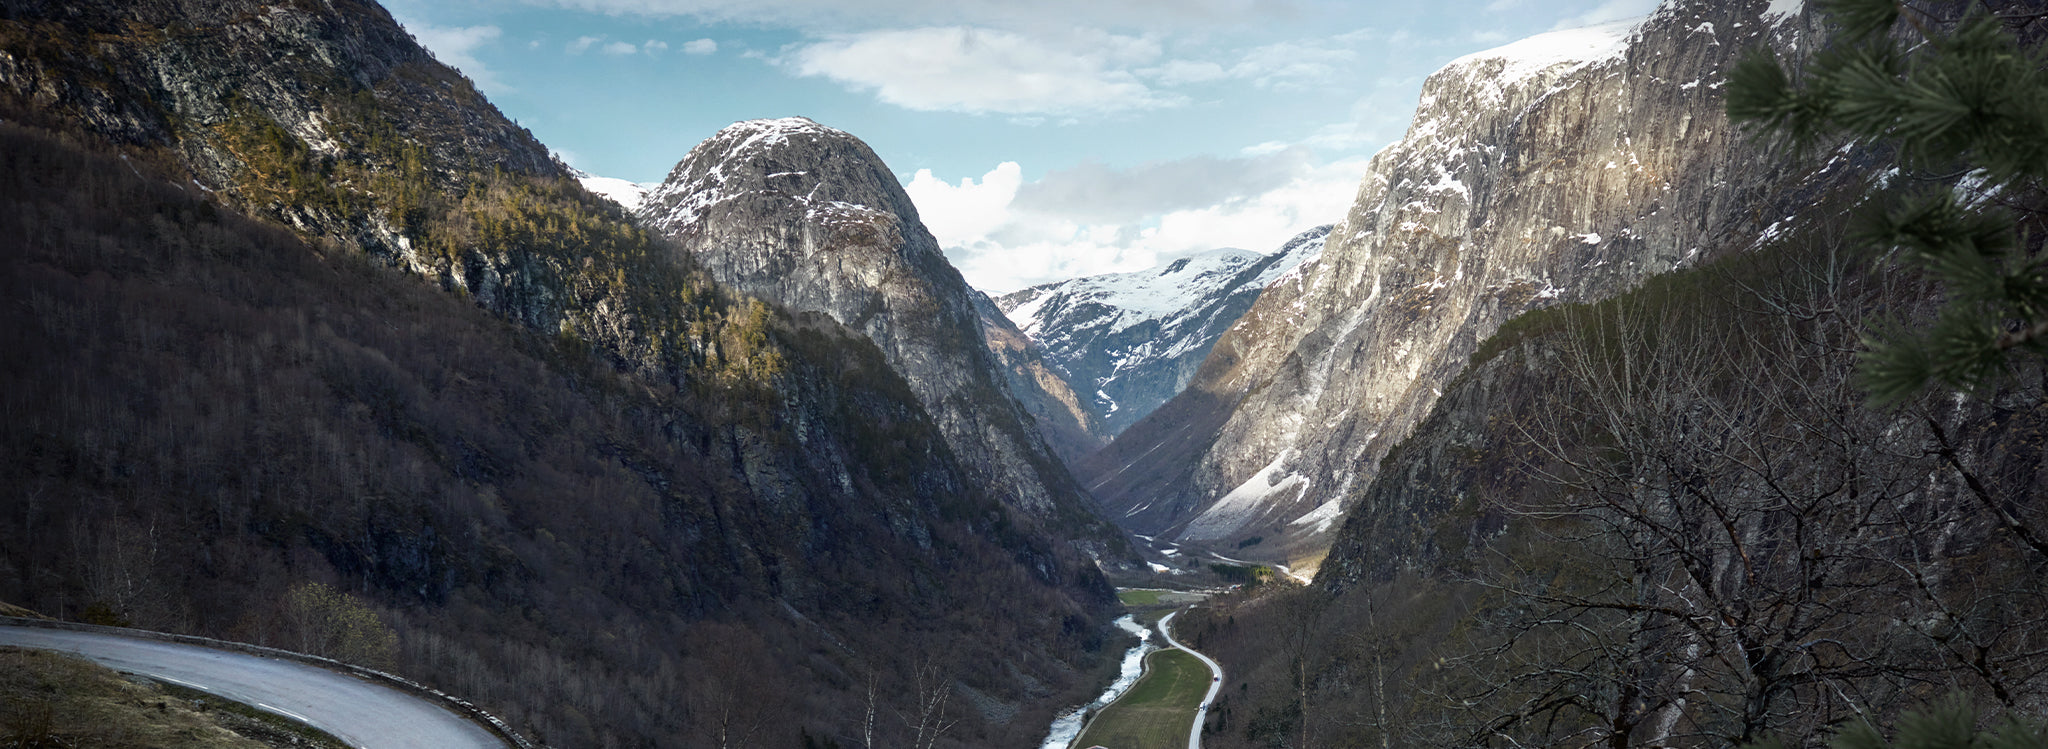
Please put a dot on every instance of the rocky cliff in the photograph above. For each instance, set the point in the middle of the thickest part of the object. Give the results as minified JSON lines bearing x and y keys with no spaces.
{"x":1134,"y":340}
{"x":1564,"y":167}
{"x":809,"y":217}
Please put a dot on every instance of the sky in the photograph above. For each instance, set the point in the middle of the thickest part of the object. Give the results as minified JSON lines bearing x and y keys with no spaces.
{"x":1040,"y":139}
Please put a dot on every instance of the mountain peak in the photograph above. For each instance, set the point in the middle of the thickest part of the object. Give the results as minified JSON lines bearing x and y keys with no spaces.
{"x":787,"y":165}
{"x":808,"y":217}
{"x":768,"y":133}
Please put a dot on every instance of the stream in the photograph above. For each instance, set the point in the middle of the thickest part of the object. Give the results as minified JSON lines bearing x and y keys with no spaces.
{"x":1068,"y":726}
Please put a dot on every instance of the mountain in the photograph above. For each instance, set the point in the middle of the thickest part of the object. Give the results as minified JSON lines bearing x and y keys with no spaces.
{"x":809,"y":218}
{"x":1562,"y":168}
{"x":1070,"y":429}
{"x":1135,"y":339}
{"x":1667,"y":515}
{"x":298,"y":310}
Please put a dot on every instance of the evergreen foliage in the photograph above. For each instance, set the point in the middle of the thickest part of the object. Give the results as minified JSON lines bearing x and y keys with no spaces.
{"x":1970,"y":105}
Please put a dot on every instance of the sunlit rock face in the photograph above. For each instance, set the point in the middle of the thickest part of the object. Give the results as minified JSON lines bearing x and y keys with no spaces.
{"x":1561,"y":168}
{"x":809,"y":217}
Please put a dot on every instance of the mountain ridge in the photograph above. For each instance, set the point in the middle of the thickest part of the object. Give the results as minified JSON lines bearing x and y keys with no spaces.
{"x":1541,"y":172}
{"x":1133,"y":340}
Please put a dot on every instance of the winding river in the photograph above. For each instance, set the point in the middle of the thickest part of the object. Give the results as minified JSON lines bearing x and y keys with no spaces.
{"x":1068,"y":726}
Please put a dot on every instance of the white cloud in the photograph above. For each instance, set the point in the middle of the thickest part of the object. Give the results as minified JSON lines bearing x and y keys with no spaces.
{"x":619,"y":49}
{"x":1294,"y":65}
{"x":1004,"y":235}
{"x":582,"y":44}
{"x":821,"y":15}
{"x":1183,"y":72}
{"x":700,"y":47}
{"x":654,"y":46}
{"x":982,"y":71}
{"x":456,"y":46}
{"x":965,"y":213}
{"x":1611,"y":10}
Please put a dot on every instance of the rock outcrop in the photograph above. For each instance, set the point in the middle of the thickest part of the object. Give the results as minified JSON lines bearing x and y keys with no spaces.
{"x":809,"y":217}
{"x":1561,"y":168}
{"x":1133,"y":340}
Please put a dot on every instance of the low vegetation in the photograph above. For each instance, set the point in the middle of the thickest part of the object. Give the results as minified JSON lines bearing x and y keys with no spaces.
{"x":50,"y":700}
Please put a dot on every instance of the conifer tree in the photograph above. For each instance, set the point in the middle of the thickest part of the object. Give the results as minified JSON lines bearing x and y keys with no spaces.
{"x":1963,"y":100}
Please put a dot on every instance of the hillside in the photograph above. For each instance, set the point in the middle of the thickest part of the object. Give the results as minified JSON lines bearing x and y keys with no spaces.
{"x":295,"y":305}
{"x":1668,"y":519}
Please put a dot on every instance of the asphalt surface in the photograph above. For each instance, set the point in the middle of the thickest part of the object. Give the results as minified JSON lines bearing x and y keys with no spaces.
{"x":1215,"y":683}
{"x":361,"y":713}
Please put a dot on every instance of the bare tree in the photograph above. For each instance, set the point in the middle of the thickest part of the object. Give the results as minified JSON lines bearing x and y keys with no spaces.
{"x":1736,"y":511}
{"x":932,"y":684}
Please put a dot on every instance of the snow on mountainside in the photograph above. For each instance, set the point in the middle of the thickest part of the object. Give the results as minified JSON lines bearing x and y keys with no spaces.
{"x":1542,"y":53}
{"x":628,"y":195}
{"x":1130,"y":341}
{"x":1561,"y":168}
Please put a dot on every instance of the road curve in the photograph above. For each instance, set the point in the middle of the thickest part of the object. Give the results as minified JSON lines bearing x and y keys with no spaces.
{"x":358,"y":712}
{"x":1215,"y":683}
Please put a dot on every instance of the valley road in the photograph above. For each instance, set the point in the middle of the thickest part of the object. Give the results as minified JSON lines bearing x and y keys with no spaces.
{"x":1215,"y":683}
{"x":356,"y":711}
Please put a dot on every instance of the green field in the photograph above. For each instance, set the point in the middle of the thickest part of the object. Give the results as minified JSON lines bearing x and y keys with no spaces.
{"x":1139,"y":597}
{"x":1159,"y":709}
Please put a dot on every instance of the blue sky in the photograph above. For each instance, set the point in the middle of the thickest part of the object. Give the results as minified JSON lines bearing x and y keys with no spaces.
{"x":1041,"y":139}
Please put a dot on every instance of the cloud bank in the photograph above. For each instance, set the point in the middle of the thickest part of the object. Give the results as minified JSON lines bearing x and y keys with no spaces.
{"x":1005,"y":234}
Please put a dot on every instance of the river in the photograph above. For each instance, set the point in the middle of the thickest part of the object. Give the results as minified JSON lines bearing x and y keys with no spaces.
{"x":1067,"y":727}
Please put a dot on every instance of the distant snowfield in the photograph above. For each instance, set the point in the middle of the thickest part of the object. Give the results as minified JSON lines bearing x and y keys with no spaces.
{"x":627,"y":194}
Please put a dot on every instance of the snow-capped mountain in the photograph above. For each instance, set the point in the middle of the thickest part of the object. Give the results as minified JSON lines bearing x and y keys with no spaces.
{"x":1130,"y":341}
{"x":1562,"y":168}
{"x":628,"y":195}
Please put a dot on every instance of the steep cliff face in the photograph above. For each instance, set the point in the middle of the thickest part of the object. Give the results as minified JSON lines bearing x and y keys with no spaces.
{"x":808,"y":217}
{"x":1565,"y":167}
{"x":1134,"y":340}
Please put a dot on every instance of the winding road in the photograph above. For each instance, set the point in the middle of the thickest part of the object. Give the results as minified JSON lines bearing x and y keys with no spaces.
{"x":361,"y":713}
{"x":1215,"y":683}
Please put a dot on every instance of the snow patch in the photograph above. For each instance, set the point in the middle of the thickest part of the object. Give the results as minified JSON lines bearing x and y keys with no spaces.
{"x":1783,"y":10}
{"x":629,"y":195}
{"x":1576,"y":48}
{"x":1262,"y":490}
{"x":1322,"y":517}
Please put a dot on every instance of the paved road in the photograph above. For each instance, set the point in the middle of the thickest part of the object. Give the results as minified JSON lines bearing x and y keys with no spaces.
{"x":358,"y":712}
{"x":1215,"y":684}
